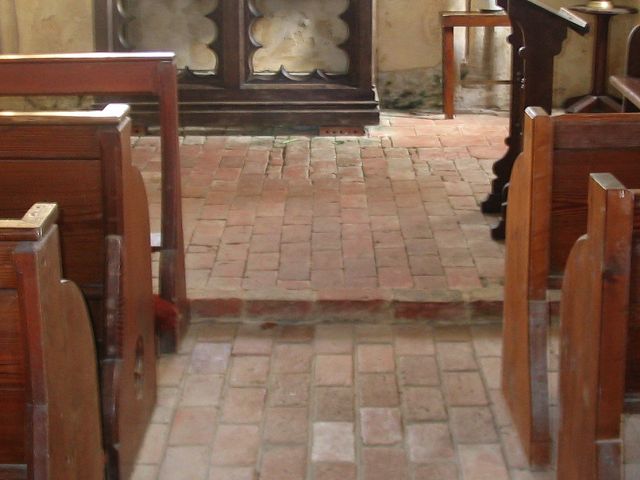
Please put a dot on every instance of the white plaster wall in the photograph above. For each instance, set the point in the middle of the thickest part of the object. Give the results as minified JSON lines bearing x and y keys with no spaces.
{"x":408,"y":42}
{"x":45,"y":26}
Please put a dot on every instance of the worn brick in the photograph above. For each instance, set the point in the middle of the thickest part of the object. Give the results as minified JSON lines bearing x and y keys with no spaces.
{"x":243,"y":405}
{"x":423,"y":404}
{"x":290,"y":389}
{"x":384,"y":464}
{"x":333,"y":442}
{"x":375,"y":358}
{"x":292,"y":358}
{"x":185,"y":463}
{"x":482,"y":462}
{"x":380,"y":426}
{"x":378,"y":390}
{"x":334,"y":370}
{"x":334,"y":404}
{"x":236,"y":445}
{"x":193,"y":426}
{"x":248,"y":371}
{"x":286,"y":425}
{"x":418,"y":370}
{"x":464,"y":389}
{"x":429,"y":442}
{"x":284,"y":463}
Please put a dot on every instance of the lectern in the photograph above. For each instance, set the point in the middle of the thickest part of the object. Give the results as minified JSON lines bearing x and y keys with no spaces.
{"x":537,"y":37}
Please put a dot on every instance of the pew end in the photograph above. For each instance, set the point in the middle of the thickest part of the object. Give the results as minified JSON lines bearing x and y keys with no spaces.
{"x":82,"y":161}
{"x":49,"y":402}
{"x":547,"y":214}
{"x":123,"y":75}
{"x":597,"y":367}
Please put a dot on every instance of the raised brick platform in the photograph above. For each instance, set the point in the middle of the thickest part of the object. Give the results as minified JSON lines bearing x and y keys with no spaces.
{"x":303,"y":228}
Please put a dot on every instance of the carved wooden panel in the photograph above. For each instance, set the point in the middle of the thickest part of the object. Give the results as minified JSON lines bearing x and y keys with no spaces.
{"x":254,"y":61}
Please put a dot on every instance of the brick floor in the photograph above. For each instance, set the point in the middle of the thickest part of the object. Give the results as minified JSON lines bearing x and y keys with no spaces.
{"x":328,"y":225}
{"x":290,"y":410}
{"x":376,"y":232}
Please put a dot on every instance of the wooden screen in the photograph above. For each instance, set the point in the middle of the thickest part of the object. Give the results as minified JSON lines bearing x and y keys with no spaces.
{"x":223,"y":87}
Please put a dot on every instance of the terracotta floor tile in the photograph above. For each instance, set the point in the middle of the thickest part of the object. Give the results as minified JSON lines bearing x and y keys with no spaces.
{"x":380,"y":426}
{"x":390,"y":218}
{"x":286,"y":425}
{"x":482,"y":462}
{"x":418,"y":370}
{"x":333,"y":442}
{"x":423,"y":404}
{"x":441,"y":471}
{"x":193,"y":426}
{"x":232,"y":473}
{"x":335,"y":471}
{"x":201,"y":390}
{"x":375,"y":358}
{"x":334,"y":404}
{"x":236,"y":445}
{"x":185,"y":463}
{"x":290,"y":389}
{"x":210,"y":358}
{"x":334,"y":370}
{"x":429,"y":442}
{"x":384,"y":464}
{"x":243,"y":405}
{"x":284,"y":463}
{"x":464,"y":389}
{"x":292,"y":358}
{"x":378,"y":390}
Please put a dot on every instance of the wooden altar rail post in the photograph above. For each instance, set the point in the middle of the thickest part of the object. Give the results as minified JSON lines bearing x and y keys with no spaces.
{"x":537,"y":37}
{"x":113,"y":74}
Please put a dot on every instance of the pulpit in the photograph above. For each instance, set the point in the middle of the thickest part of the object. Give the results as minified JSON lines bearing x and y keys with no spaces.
{"x":537,"y":37}
{"x":236,"y":58}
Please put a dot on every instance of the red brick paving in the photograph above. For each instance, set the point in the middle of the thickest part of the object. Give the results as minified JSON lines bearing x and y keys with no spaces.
{"x":394,"y":214}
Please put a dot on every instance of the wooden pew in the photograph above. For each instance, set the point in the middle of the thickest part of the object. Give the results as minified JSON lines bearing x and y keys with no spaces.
{"x":629,"y":83}
{"x":117,"y":75}
{"x":49,"y":402}
{"x":547,"y":214}
{"x":81,"y":160}
{"x":600,"y":328}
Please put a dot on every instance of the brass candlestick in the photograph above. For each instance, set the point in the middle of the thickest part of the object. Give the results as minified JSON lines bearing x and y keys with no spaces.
{"x":600,"y":5}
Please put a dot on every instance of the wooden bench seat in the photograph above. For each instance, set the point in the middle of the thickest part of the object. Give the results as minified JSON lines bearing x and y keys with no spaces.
{"x":116,"y":75}
{"x":82,"y":161}
{"x":600,"y":331}
{"x":49,"y":401}
{"x":547,"y":213}
{"x":629,"y":83}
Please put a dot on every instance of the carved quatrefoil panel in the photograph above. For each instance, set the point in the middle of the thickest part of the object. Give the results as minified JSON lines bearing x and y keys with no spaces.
{"x":299,"y":36}
{"x":183,"y":26}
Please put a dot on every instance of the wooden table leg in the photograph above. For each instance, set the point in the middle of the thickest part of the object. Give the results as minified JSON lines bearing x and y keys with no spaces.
{"x":448,"y":72}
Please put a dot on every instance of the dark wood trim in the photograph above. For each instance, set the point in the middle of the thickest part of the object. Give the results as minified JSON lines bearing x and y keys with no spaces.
{"x":262,"y":98}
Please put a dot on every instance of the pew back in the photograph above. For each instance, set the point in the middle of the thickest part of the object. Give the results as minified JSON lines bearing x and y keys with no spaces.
{"x":546,"y":216}
{"x":123,"y":74}
{"x":49,"y":402}
{"x":82,"y":162}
